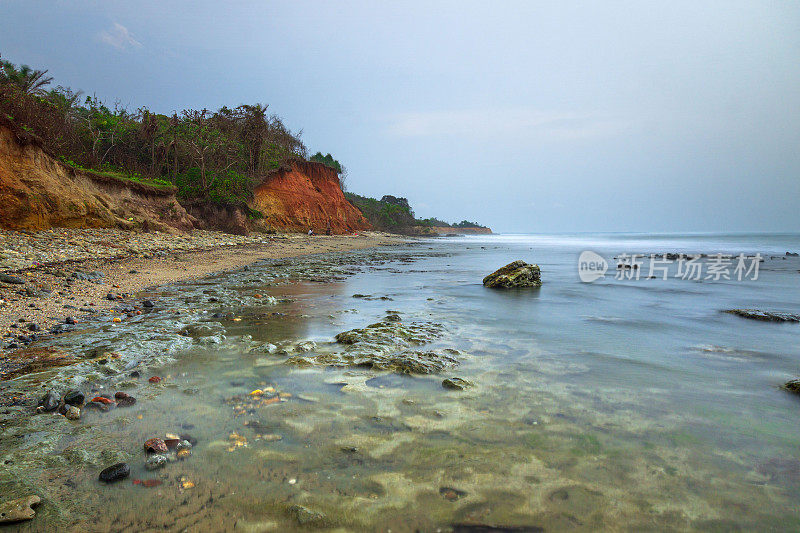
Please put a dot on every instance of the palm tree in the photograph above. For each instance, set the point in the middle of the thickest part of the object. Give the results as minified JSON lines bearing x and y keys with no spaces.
{"x":30,"y":81}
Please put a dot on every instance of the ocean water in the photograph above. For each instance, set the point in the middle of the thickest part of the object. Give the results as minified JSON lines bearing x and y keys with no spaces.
{"x":620,"y":404}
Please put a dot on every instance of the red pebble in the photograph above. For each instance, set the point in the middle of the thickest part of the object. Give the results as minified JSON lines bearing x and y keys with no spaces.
{"x":100,"y":399}
{"x":151,"y":482}
{"x":154,"y":379}
{"x":137,"y":481}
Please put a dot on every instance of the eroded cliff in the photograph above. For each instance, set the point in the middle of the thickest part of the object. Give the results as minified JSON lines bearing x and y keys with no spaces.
{"x":304,"y":195}
{"x":39,"y":192}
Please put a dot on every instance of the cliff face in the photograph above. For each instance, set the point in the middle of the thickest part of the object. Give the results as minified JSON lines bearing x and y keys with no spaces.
{"x":302,"y":195}
{"x":38,"y":192}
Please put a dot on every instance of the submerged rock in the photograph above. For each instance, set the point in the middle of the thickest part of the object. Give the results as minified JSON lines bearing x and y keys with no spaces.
{"x":115,"y":472}
{"x":766,"y":316}
{"x":387,"y":345}
{"x":456,"y":384}
{"x":156,"y":461}
{"x":72,"y":413}
{"x":513,"y":275}
{"x":155,"y":446}
{"x":19,"y":509}
{"x":197,"y":331}
{"x":305,"y":516}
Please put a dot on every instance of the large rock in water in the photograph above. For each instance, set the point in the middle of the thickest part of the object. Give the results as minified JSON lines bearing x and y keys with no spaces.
{"x":513,"y":275}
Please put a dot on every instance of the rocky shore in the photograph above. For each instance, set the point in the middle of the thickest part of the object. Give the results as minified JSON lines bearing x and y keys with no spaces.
{"x":52,"y":280}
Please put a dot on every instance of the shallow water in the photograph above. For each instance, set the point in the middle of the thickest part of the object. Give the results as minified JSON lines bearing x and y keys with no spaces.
{"x":616,"y":404}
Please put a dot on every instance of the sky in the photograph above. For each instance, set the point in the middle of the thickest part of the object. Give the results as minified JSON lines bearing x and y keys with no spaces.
{"x":525,"y":116}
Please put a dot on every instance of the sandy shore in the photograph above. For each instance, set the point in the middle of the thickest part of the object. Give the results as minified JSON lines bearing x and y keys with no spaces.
{"x":129,"y":263}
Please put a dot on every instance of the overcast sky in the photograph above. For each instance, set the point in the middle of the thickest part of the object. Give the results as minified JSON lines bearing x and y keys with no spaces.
{"x":526,"y":116}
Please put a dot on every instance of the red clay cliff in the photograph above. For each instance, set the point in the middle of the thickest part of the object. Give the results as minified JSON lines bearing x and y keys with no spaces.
{"x":304,"y":195}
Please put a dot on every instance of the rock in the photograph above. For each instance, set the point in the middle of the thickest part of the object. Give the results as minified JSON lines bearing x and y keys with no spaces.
{"x":450,"y":494}
{"x":19,"y":509}
{"x":69,"y":320}
{"x":514,"y":275}
{"x":33,"y":327}
{"x":306,"y":346}
{"x":147,"y":303}
{"x":456,"y":384}
{"x":115,"y":472}
{"x":765,"y":316}
{"x":305,"y":516}
{"x":127,"y":401}
{"x":793,"y":385}
{"x":72,"y":413}
{"x":49,"y":402}
{"x":154,"y":379}
{"x":184,"y":445}
{"x":155,"y":445}
{"x":155,"y":461}
{"x":12,"y":280}
{"x":200,"y":330}
{"x":74,"y":397}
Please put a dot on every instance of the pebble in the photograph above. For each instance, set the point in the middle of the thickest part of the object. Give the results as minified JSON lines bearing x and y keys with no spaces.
{"x":49,"y":402}
{"x":147,"y":303}
{"x":115,"y":472}
{"x":72,"y":413}
{"x":155,"y":461}
{"x":155,"y":445}
{"x":74,"y":397}
{"x":13,"y":280}
{"x":154,"y":379}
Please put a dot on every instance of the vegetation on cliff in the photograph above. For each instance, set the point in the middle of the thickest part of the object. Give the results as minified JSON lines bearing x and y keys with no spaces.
{"x":209,"y":156}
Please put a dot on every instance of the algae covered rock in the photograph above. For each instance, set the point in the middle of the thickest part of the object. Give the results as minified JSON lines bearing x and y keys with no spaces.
{"x":793,"y":385}
{"x":514,"y":275}
{"x":456,"y":384}
{"x":765,"y":316}
{"x":389,"y":346}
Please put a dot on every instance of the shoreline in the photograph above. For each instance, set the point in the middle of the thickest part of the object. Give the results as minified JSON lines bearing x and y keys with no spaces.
{"x":51,"y":299}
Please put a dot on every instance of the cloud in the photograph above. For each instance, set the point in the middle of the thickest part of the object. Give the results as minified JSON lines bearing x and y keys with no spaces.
{"x":118,"y":36}
{"x":549,"y":125}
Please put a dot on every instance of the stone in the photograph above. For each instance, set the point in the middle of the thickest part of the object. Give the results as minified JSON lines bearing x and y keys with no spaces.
{"x":12,"y":280}
{"x":72,"y":413}
{"x":305,"y":516}
{"x":19,"y":509}
{"x":74,"y":397}
{"x":127,"y":401}
{"x":765,"y":316}
{"x":793,"y":385}
{"x":49,"y":402}
{"x":69,"y":320}
{"x":456,"y":384}
{"x":115,"y":472}
{"x":514,"y":275}
{"x":450,"y":494}
{"x":147,"y":303}
{"x":155,"y":461}
{"x":155,"y":446}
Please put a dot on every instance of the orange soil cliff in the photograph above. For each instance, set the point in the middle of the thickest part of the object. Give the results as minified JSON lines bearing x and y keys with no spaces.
{"x":302,"y":195}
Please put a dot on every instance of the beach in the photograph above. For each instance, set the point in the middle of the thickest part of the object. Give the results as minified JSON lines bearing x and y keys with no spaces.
{"x":116,"y":264}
